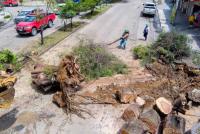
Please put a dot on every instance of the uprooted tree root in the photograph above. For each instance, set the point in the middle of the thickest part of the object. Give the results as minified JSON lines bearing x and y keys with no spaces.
{"x":69,"y":77}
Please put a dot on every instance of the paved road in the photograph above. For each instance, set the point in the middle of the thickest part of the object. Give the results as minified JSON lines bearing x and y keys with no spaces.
{"x":11,"y":40}
{"x":36,"y":114}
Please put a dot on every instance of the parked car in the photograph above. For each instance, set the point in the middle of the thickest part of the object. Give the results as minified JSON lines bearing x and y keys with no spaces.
{"x":10,"y":3}
{"x":32,"y":24}
{"x":149,"y":8}
{"x":22,"y":14}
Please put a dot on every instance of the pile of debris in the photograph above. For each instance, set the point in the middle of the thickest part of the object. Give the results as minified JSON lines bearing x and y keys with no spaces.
{"x":7,"y":92}
{"x":154,"y":104}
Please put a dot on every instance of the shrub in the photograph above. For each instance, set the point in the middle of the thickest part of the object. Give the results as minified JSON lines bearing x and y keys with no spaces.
{"x":8,"y":58}
{"x":196,"y":58}
{"x":140,"y":52}
{"x":171,"y":46}
{"x":96,"y":62}
{"x":7,"y":17}
{"x":168,"y":47}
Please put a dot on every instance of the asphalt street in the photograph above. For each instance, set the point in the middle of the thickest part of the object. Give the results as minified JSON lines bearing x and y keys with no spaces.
{"x":9,"y":39}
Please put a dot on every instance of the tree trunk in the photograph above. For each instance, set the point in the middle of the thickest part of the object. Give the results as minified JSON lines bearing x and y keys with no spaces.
{"x":71,"y":23}
{"x":92,"y":11}
{"x":133,"y":127}
{"x":174,"y":125}
{"x":151,"y":120}
{"x":42,"y":37}
{"x":65,"y":26}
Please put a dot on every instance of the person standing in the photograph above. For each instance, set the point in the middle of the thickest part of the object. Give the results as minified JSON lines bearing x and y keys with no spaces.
{"x":191,"y":19}
{"x":123,"y":39}
{"x":146,"y":31}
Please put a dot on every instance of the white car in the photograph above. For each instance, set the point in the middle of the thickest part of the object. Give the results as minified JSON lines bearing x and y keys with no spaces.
{"x":149,"y":8}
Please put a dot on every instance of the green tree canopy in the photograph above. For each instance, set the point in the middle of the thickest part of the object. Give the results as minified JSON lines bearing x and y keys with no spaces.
{"x":69,"y":10}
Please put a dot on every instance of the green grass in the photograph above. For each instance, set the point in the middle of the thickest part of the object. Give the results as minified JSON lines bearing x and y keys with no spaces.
{"x":97,"y":11}
{"x":9,"y":60}
{"x":51,"y":40}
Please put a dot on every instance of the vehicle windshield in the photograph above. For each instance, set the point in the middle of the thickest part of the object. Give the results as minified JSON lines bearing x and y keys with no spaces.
{"x":30,"y":19}
{"x":23,"y":13}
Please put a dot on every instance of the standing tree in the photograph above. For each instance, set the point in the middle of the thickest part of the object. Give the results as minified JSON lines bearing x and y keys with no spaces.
{"x":89,"y":5}
{"x":68,"y":11}
{"x":50,"y":4}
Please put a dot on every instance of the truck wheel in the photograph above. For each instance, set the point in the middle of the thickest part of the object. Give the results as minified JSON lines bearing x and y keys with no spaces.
{"x":33,"y":31}
{"x":50,"y":23}
{"x":10,"y":5}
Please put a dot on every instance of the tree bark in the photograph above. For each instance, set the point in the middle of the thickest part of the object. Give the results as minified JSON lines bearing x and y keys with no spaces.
{"x":42,"y":37}
{"x":65,"y":26}
{"x":71,"y":23}
{"x":174,"y":125}
{"x":151,"y":119}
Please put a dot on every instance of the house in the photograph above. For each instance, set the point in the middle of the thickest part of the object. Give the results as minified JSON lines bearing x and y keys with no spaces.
{"x":189,"y":7}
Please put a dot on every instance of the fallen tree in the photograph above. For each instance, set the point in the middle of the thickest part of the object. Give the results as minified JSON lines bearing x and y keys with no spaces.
{"x":69,"y":78}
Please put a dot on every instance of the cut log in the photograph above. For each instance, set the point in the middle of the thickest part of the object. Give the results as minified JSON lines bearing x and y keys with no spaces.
{"x":149,"y":102}
{"x":194,"y":95}
{"x":164,"y":105}
{"x":174,"y":125}
{"x":125,"y":96}
{"x":151,"y":119}
{"x":140,"y":101}
{"x":134,"y":127}
{"x":131,"y":112}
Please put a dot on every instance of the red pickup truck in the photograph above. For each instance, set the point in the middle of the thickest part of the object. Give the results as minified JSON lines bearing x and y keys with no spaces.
{"x":10,"y":3}
{"x":31,"y":24}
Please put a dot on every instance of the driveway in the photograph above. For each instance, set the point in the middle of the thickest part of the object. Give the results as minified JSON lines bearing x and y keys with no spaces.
{"x":33,"y":112}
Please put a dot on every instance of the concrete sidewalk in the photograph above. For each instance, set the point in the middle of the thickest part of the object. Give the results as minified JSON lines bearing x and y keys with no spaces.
{"x":181,"y":24}
{"x":164,"y":12}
